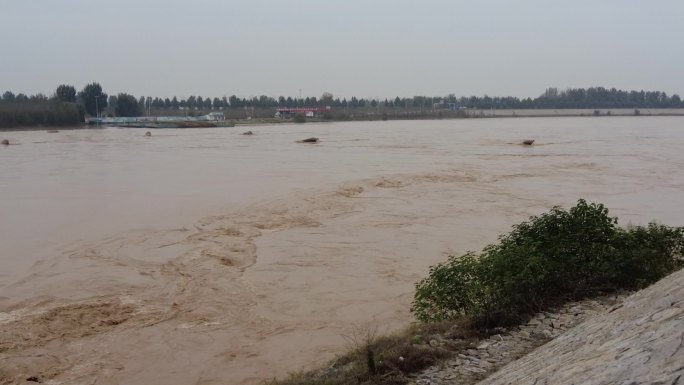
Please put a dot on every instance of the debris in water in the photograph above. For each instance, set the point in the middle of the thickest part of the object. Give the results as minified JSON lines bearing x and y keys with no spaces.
{"x":148,"y":133}
{"x":308,"y":140}
{"x":528,"y":142}
{"x":248,"y":133}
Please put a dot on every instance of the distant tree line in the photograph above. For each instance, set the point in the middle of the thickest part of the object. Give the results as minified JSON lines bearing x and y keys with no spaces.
{"x":599,"y":97}
{"x":595,"y":97}
{"x":38,"y":110}
{"x":69,"y":107}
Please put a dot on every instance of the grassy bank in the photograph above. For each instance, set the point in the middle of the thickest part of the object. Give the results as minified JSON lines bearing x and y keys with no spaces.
{"x":388,"y":359}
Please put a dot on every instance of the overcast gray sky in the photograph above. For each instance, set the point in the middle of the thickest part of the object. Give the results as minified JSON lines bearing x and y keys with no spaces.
{"x":378,"y":48}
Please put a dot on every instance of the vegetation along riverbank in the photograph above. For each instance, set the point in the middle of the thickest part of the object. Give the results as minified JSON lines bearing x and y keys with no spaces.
{"x":67,"y":107}
{"x":480,"y":311}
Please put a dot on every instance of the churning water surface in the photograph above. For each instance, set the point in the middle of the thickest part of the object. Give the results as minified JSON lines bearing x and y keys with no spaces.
{"x":205,"y":256}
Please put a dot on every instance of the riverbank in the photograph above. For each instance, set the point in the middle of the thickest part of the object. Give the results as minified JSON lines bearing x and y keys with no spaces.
{"x":485,"y":356}
{"x":450,"y":352}
{"x":587,"y":112}
{"x":343,"y":116}
{"x":640,"y":341}
{"x":45,"y":128}
{"x":619,"y":338}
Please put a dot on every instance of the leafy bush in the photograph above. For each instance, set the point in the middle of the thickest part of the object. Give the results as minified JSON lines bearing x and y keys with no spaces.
{"x":299,"y":118}
{"x":453,"y":288}
{"x":551,"y":258}
{"x":647,"y":254}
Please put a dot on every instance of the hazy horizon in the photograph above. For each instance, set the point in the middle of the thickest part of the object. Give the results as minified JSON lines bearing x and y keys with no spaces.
{"x":379,"y":50}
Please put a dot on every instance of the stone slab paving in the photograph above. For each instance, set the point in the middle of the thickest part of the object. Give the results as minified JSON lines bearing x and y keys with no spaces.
{"x":485,"y":356}
{"x":640,"y":341}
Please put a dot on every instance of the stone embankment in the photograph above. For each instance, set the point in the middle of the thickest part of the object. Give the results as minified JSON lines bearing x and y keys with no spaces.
{"x":488,"y":355}
{"x":610,"y":340}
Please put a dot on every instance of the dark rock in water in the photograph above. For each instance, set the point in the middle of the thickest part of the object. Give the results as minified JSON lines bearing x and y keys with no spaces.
{"x":148,"y":133}
{"x":309,"y":140}
{"x":5,"y":142}
{"x":52,"y":131}
{"x":528,"y":142}
{"x":248,"y":133}
{"x":34,"y":379}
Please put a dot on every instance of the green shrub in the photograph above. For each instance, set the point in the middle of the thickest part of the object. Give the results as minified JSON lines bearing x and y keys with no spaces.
{"x":647,"y":254}
{"x":453,"y":288}
{"x":299,"y":118}
{"x":551,"y":258}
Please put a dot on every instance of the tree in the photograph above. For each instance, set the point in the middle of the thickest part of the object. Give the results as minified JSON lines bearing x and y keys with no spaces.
{"x":217,"y":104}
{"x":234,"y":102}
{"x":8,"y":97}
{"x":112,"y":102}
{"x":191,"y":102}
{"x":127,"y":105}
{"x":66,"y":93}
{"x":93,"y":99}
{"x":38,"y":98}
{"x":326,"y":99}
{"x":141,"y":103}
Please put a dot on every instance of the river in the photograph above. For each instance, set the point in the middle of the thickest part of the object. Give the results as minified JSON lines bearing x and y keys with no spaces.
{"x":205,"y":256}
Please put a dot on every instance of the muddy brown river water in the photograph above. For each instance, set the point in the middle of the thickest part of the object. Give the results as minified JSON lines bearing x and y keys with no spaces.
{"x":202,"y":256}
